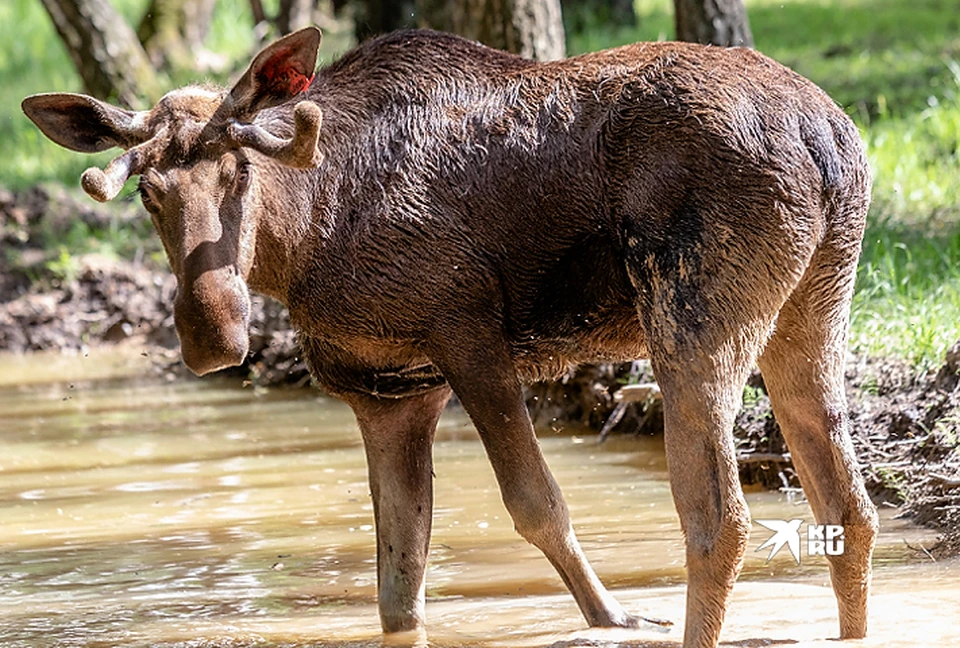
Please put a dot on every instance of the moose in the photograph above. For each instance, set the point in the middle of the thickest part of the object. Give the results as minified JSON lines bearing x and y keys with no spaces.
{"x":443,"y":218}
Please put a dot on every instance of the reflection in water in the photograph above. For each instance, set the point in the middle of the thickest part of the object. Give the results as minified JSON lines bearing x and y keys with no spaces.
{"x":141,"y":512}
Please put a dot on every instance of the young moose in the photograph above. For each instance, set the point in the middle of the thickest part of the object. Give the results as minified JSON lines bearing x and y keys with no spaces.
{"x":441,"y":217}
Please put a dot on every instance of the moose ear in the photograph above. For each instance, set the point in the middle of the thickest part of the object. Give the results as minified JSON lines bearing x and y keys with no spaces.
{"x":279,"y":72}
{"x":84,"y":124}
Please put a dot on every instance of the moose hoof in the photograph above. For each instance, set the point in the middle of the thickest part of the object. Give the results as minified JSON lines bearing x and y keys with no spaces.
{"x":624,"y":620}
{"x":615,"y":619}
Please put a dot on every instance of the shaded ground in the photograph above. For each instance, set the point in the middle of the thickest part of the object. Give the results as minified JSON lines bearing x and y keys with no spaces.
{"x":906,"y":426}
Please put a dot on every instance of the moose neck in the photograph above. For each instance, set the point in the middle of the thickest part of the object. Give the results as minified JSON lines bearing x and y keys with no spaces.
{"x":296,"y":207}
{"x":284,"y":212}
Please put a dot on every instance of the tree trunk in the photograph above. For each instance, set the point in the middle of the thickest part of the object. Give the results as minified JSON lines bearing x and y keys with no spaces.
{"x":259,"y":15}
{"x":294,"y":15}
{"x":105,"y":50}
{"x":173,"y":32}
{"x":382,"y":16}
{"x":713,"y":22}
{"x":531,"y":28}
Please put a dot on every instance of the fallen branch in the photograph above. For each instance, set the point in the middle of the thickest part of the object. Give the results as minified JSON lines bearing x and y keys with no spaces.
{"x":638,"y":393}
{"x":919,"y":549}
{"x":759,"y":457}
{"x":943,"y":480}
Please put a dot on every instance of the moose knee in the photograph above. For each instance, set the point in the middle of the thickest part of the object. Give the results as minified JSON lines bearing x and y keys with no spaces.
{"x":860,"y":527}
{"x":866,"y":522}
{"x":537,"y":517}
{"x":721,"y":548}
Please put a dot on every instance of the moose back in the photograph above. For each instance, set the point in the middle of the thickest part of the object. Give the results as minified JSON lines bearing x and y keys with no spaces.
{"x":442,"y":217}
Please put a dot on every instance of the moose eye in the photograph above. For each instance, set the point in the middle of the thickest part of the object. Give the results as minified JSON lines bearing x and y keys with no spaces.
{"x":146,"y":197}
{"x":243,"y":177}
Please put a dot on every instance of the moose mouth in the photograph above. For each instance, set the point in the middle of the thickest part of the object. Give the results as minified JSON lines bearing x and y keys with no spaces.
{"x":212,"y":319}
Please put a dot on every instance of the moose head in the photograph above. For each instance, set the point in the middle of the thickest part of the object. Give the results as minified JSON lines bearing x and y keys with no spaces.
{"x":197,"y":153}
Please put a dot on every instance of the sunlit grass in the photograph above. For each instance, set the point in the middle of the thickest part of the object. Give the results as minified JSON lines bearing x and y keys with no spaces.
{"x":907,"y":302}
{"x":916,"y":162}
{"x":31,"y":60}
{"x":908,"y":299}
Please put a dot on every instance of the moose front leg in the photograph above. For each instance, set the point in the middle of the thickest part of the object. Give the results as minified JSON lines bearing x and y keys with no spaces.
{"x":484,"y":379}
{"x":398,"y":439}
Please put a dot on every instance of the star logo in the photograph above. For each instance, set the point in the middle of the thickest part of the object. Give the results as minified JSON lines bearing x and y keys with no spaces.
{"x":785,"y":533}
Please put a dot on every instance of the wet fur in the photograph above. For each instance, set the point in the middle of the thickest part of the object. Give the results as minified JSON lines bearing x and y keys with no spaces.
{"x":478,"y":219}
{"x":456,"y":177}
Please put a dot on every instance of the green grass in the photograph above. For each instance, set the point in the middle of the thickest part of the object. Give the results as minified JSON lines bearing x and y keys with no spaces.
{"x":908,"y":292}
{"x":32,"y":60}
{"x":908,"y":289}
{"x":893,"y":65}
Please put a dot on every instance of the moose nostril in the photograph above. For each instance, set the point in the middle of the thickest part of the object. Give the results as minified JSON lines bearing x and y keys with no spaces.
{"x":205,"y":351}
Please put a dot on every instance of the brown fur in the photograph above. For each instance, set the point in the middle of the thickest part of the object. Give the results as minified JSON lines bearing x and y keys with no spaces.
{"x":475,"y":219}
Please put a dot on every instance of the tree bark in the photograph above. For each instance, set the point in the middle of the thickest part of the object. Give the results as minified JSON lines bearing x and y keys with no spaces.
{"x":294,"y":15}
{"x":713,"y":22}
{"x":106,"y":52}
{"x":531,"y":28}
{"x":383,"y":16}
{"x":259,"y":15}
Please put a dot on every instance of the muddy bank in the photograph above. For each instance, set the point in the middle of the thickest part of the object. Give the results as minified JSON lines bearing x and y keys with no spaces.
{"x":906,"y":426}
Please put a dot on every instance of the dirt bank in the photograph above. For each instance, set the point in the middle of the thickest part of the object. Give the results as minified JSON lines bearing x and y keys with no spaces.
{"x":905,"y":425}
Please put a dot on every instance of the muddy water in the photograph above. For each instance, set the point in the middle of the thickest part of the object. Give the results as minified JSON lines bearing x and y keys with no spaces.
{"x":136,"y":511}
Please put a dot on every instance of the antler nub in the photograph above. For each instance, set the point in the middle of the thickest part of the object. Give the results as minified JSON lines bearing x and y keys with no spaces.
{"x":106,"y":184}
{"x":300,"y":151}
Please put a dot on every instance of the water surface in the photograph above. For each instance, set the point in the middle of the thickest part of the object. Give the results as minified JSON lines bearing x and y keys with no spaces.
{"x":138,"y":511}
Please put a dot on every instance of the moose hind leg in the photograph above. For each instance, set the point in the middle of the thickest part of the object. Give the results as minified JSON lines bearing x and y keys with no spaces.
{"x":398,"y":439}
{"x":700,"y":400}
{"x":706,"y":318}
{"x":803,"y":369}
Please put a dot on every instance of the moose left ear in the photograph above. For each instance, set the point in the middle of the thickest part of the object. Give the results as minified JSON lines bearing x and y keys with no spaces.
{"x":279,"y":72}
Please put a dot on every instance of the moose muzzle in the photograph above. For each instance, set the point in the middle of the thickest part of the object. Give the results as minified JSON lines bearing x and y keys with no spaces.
{"x":212,"y":316}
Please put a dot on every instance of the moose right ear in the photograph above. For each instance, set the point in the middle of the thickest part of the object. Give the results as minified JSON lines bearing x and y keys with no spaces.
{"x":84,"y":124}
{"x":280,"y":72}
